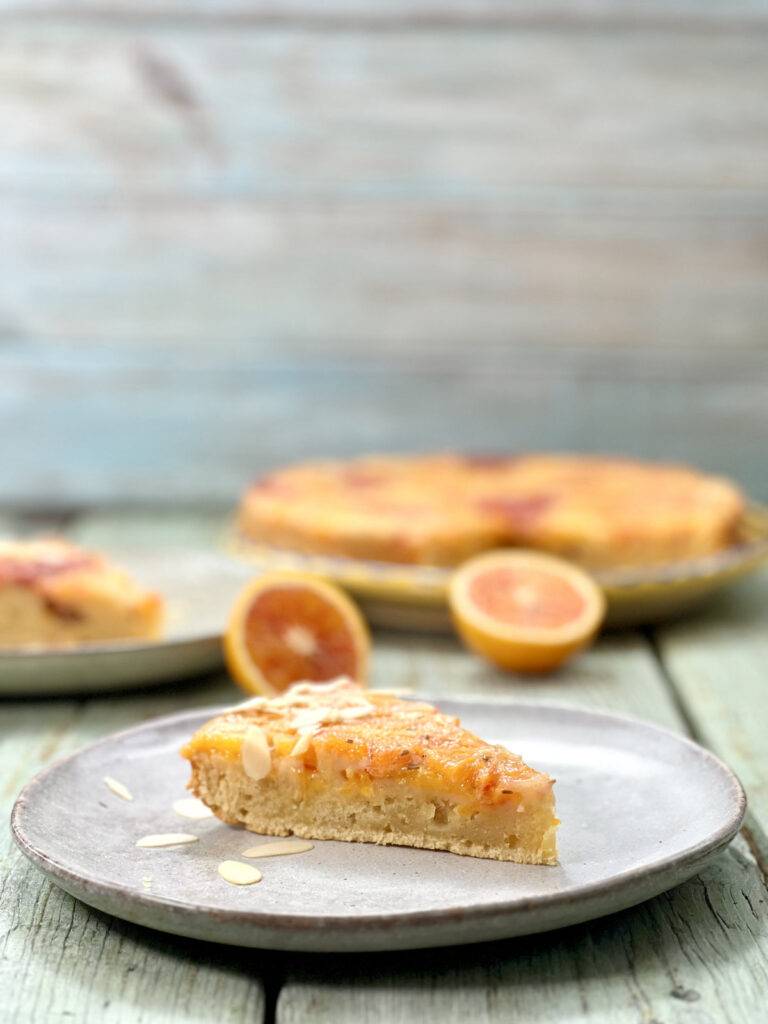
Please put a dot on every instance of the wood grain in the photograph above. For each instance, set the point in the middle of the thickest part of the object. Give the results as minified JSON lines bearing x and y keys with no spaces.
{"x":370,"y":190}
{"x":237,"y":243}
{"x":427,"y":116}
{"x":717,"y":661}
{"x":86,"y":424}
{"x":459,"y":13}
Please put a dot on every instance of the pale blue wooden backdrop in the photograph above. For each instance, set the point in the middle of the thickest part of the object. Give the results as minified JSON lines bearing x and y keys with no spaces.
{"x":233,"y":234}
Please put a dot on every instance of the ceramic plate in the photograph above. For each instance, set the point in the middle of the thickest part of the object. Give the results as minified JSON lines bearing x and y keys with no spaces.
{"x":642,"y":809}
{"x":199,"y":588}
{"x":414,"y":596}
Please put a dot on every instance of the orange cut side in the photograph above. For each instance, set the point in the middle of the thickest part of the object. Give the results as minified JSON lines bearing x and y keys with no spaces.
{"x":524,"y":611}
{"x":290,"y":627}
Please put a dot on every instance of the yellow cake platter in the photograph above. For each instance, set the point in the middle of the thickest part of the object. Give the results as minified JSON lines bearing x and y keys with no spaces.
{"x":414,"y":596}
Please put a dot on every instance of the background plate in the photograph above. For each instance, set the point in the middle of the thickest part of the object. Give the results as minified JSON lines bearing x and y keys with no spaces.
{"x":198,"y":586}
{"x":642,"y":810}
{"x":414,"y":596}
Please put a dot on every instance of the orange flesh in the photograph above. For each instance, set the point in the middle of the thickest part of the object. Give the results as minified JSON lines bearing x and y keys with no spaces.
{"x":293,"y":634}
{"x":526,"y":597}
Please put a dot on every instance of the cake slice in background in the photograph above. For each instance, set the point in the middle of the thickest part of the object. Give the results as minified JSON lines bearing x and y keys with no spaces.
{"x":53,"y":593}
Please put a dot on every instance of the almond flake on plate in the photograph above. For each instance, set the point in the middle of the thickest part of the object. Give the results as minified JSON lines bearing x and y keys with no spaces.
{"x":117,"y":788}
{"x":191,"y":807}
{"x":237,"y":873}
{"x":280,"y":849}
{"x":166,"y":839}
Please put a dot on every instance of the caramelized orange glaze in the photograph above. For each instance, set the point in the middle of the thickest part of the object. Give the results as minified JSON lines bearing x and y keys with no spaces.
{"x":397,"y":739}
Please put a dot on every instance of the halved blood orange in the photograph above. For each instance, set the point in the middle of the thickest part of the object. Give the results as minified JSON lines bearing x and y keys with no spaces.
{"x":286,"y":627}
{"x":525,"y":611}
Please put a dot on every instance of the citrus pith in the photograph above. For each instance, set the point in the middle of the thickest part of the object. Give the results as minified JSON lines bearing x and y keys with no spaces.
{"x":290,"y":627}
{"x":524,"y":611}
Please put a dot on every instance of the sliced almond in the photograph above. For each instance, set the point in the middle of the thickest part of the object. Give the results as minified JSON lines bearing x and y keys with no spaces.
{"x":117,"y":788}
{"x":255,"y":754}
{"x":237,"y":873}
{"x":191,"y":807}
{"x":166,"y":839}
{"x":283,"y":848}
{"x":301,"y":689}
{"x":301,"y":746}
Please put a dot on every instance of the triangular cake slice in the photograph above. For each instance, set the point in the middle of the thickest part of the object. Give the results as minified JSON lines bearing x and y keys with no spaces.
{"x":336,"y":761}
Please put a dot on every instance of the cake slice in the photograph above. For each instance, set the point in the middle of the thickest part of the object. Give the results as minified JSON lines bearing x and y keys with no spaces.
{"x":336,"y":761}
{"x":53,"y":593}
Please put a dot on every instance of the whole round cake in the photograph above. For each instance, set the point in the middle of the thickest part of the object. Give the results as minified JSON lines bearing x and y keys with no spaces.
{"x":440,"y":509}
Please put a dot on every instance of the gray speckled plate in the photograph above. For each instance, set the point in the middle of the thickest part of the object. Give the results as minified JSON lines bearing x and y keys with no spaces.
{"x":642,"y":810}
{"x":198,"y":587}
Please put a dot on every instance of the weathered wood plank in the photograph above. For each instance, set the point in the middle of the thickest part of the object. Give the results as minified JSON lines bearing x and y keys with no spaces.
{"x":86,"y":424}
{"x":160,"y":528}
{"x":616,"y":675}
{"x":384,"y":275}
{"x":385,"y":189}
{"x":420,"y":115}
{"x":718,"y":663}
{"x":353,"y":13}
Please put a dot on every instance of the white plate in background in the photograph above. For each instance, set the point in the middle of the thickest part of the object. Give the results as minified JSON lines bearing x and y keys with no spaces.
{"x":198,"y":587}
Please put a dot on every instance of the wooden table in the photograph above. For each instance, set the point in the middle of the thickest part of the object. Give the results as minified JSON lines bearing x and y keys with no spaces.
{"x":695,"y":955}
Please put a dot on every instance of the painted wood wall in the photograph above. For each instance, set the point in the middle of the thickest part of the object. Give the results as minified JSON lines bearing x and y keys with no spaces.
{"x":237,"y":233}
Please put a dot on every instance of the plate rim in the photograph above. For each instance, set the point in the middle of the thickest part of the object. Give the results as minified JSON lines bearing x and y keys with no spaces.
{"x":311,"y":924}
{"x":83,"y":649}
{"x":131,"y":645}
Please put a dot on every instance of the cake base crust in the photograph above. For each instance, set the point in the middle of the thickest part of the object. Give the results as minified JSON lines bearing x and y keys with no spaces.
{"x":392,"y":815}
